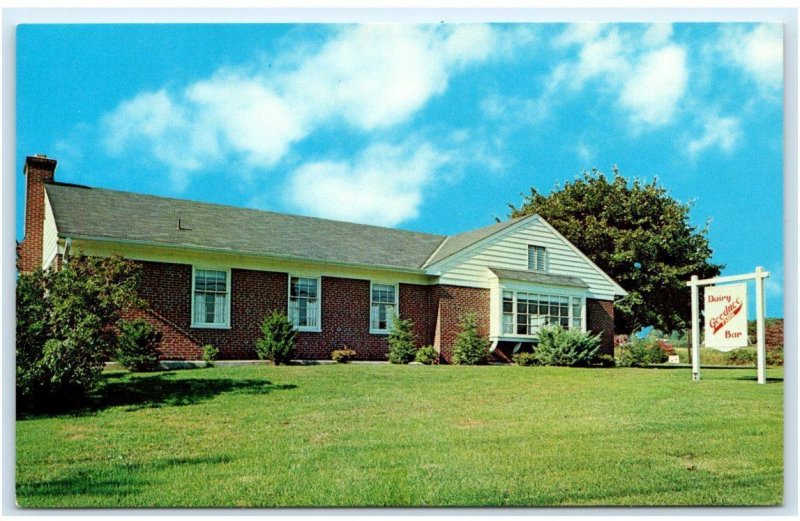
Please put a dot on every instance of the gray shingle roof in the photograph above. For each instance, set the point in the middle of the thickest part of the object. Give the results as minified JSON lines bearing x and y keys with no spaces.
{"x":96,"y":212}
{"x":455,"y":243}
{"x":542,"y":278}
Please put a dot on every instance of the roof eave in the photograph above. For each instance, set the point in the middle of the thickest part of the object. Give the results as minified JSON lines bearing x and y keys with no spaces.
{"x":402,"y":269}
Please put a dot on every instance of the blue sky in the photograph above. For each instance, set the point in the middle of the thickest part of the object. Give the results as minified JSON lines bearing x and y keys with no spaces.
{"x":433,"y":128}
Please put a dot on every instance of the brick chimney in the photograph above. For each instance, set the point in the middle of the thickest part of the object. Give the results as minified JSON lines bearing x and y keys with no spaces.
{"x":39,"y":169}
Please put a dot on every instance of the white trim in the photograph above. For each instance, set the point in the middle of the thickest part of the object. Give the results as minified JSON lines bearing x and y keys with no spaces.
{"x":432,"y":255}
{"x":435,"y":269}
{"x":546,"y":258}
{"x":229,"y":297}
{"x":305,"y":329}
{"x":396,"y":305}
{"x":574,"y":248}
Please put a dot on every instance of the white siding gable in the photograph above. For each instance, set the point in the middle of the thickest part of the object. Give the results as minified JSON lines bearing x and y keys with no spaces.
{"x":49,"y":235}
{"x":508,"y":249}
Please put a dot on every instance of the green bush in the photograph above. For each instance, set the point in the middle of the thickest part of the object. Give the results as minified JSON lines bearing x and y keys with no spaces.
{"x":470,"y":347}
{"x":566,"y":347}
{"x":741,"y":356}
{"x":525,"y":359}
{"x":67,"y":327}
{"x":402,"y":341}
{"x":343,"y":356}
{"x":427,"y":355}
{"x":137,"y":348}
{"x":210,"y":353}
{"x":279,"y":339}
{"x":642,"y":352}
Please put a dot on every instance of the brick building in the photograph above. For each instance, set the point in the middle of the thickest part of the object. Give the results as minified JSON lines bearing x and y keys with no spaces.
{"x":211,"y":273}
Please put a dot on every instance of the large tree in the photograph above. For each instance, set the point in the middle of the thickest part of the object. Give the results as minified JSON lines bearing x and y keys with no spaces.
{"x":638,"y":234}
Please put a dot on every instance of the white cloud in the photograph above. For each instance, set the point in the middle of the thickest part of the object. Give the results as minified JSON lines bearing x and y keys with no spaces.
{"x":586,"y":155}
{"x":640,"y":67}
{"x":655,"y":85}
{"x":759,"y":52}
{"x":722,"y":132}
{"x":657,"y":34}
{"x":367,"y":76}
{"x":383,"y":186}
{"x":578,"y":33}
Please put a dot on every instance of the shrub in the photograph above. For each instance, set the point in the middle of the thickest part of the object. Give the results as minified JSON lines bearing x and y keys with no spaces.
{"x":566,"y":347}
{"x":741,"y":356}
{"x":137,"y":348}
{"x":606,"y":360}
{"x":525,"y":359}
{"x":66,"y":326}
{"x":775,"y":356}
{"x":401,"y":341}
{"x":470,"y":348}
{"x":666,"y":347}
{"x":642,"y":352}
{"x":343,"y":356}
{"x":279,"y":339}
{"x":210,"y":353}
{"x":427,"y":355}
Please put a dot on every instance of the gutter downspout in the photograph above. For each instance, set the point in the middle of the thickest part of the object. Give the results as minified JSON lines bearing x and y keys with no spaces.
{"x":67,"y":248}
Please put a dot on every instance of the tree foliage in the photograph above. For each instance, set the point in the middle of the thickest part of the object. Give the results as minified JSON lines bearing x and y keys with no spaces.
{"x":67,"y":326}
{"x":638,"y":234}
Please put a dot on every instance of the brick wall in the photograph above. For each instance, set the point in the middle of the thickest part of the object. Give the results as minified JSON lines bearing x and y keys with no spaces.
{"x":453,"y":302}
{"x":345,"y":314}
{"x":600,"y":319}
{"x":38,"y":171}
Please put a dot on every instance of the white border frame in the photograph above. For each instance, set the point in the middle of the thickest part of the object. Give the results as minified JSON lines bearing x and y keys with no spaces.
{"x":304,"y":329}
{"x":228,"y":285}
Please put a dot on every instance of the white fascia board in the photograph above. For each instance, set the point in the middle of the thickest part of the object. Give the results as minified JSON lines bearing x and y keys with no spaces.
{"x":618,"y":290}
{"x":436,"y":269}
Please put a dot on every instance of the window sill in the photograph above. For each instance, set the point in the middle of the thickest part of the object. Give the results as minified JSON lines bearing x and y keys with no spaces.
{"x":308,"y":329}
{"x":210,"y":326}
{"x":383,"y":332}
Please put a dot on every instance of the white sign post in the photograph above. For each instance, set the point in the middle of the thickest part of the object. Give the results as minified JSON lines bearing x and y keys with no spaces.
{"x":725,"y":317}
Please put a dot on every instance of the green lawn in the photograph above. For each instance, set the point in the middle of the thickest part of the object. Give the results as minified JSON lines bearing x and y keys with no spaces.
{"x":366,"y":435}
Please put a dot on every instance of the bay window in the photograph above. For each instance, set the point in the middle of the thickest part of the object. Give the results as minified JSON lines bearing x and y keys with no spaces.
{"x":524,"y":313}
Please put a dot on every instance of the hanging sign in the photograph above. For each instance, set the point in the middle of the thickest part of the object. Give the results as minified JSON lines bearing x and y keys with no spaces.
{"x":726,"y":316}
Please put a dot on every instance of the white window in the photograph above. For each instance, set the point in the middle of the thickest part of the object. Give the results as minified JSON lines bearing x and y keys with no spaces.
{"x":525,"y":313}
{"x":211,"y":303}
{"x":537,"y":258}
{"x":304,"y":303}
{"x":383,"y":307}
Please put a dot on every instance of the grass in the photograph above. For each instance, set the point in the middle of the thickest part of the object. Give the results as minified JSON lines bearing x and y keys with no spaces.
{"x":355,"y":435}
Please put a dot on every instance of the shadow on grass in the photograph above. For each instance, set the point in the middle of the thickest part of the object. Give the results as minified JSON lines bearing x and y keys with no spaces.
{"x":770,"y":379}
{"x":159,"y":390}
{"x":123,"y":478}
